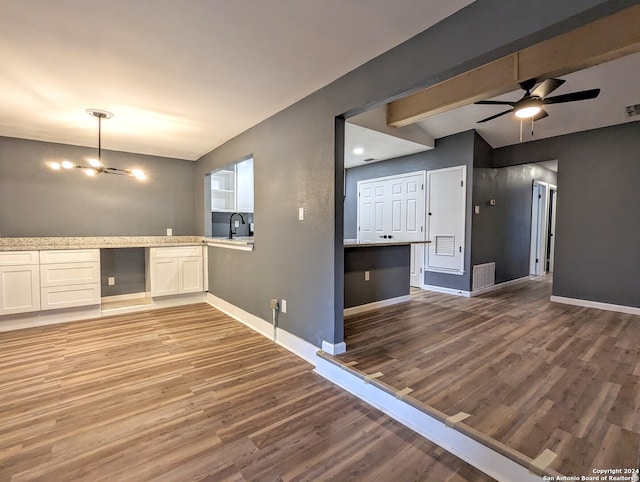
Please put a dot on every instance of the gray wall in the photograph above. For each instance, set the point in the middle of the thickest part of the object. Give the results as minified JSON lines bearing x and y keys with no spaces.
{"x":388,"y":268}
{"x":456,"y":150}
{"x":598,"y":225}
{"x":502,"y":233}
{"x":127,"y":266}
{"x":296,"y":163}
{"x":37,"y":201}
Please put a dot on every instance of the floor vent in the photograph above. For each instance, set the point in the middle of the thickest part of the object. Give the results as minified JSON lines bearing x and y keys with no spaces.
{"x":484,"y":275}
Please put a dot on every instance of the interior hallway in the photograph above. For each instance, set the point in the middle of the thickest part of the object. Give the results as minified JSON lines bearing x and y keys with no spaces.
{"x":532,"y":374}
{"x":184,"y":394}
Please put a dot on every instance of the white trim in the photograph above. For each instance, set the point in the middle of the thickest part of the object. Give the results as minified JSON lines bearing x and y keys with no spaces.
{"x":375,"y":305}
{"x":448,"y":291}
{"x":296,"y":345}
{"x":49,"y":317}
{"x":499,"y":286}
{"x":228,"y":245}
{"x":257,"y":324}
{"x":177,"y":300}
{"x":631,"y":310}
{"x":53,"y":317}
{"x":334,"y":348}
{"x":128,"y":296}
{"x":302,"y":348}
{"x":489,"y":461}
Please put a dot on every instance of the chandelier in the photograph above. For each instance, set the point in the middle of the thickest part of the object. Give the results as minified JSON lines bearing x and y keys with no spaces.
{"x":95,"y":165}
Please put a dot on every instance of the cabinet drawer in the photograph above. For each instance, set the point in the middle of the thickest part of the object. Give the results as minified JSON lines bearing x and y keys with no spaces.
{"x":13,"y":258}
{"x":64,"y":274}
{"x":54,"y":297}
{"x":176,"y":252}
{"x":69,"y":256}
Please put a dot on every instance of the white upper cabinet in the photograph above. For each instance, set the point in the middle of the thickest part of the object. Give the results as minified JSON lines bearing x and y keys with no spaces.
{"x":232,"y":188}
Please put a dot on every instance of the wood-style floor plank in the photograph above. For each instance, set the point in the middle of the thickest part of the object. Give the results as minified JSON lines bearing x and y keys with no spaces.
{"x":532,"y":374}
{"x":185,"y":394}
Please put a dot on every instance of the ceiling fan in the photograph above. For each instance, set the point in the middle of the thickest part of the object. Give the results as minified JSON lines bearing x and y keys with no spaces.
{"x":531,"y":103}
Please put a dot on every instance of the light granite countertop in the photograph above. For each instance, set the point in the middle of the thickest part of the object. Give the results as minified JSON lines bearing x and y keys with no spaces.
{"x":356,"y":244}
{"x":100,"y":242}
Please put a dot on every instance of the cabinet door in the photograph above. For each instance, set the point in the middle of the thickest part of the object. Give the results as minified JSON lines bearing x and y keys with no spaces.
{"x":164,"y":277}
{"x":19,"y":289}
{"x":190,"y":275}
{"x":244,"y":176}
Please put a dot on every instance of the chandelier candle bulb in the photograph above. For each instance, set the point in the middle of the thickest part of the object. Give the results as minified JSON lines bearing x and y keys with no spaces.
{"x":95,"y":165}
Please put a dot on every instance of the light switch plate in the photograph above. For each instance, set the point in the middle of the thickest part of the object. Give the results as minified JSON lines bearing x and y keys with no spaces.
{"x":300,"y":214}
{"x":237,"y":223}
{"x":477,"y":210}
{"x":366,"y":275}
{"x":284,"y":306}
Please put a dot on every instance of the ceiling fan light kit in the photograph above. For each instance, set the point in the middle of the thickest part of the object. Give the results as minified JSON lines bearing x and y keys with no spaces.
{"x":530,"y":106}
{"x":95,"y":165}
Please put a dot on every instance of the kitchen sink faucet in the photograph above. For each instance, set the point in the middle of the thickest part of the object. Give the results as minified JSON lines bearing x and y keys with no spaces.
{"x":231,"y":231}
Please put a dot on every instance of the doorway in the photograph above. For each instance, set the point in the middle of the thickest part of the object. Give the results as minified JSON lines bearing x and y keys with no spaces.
{"x":544,"y":200}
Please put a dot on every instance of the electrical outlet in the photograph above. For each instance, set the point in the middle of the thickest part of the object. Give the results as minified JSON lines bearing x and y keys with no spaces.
{"x":236,"y":223}
{"x":300,"y":214}
{"x":169,"y":232}
{"x":111,"y":280}
{"x":477,"y":209}
{"x":284,"y":306}
{"x":366,"y":275}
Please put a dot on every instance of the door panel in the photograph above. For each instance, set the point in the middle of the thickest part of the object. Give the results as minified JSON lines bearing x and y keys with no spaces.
{"x":446,"y":207}
{"x":398,"y":208}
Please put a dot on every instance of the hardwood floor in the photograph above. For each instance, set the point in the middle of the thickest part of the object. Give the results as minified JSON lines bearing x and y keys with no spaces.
{"x":533,"y":374}
{"x":189,"y":394}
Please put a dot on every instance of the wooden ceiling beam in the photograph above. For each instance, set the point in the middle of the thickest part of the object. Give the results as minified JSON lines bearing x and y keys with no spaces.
{"x":606,"y":39}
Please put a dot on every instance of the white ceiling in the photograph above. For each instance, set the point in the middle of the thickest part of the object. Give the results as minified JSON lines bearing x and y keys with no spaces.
{"x":619,"y":88}
{"x":182,"y":77}
{"x":376,"y":146}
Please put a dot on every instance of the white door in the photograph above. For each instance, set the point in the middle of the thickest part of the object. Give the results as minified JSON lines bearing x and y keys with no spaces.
{"x":552,"y":240}
{"x":391,"y":208}
{"x":446,"y":210}
{"x":538,"y":228}
{"x":372,"y":213}
{"x":417,"y":265}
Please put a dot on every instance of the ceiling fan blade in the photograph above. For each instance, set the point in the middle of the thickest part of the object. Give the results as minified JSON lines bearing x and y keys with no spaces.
{"x":495,"y":116}
{"x":547,"y":87}
{"x":540,"y":115}
{"x":494,"y":102}
{"x":572,"y":97}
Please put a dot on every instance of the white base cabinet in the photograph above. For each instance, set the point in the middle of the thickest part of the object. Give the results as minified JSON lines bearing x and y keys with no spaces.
{"x":69,"y":278}
{"x":174,"y":271}
{"x":19,"y":282}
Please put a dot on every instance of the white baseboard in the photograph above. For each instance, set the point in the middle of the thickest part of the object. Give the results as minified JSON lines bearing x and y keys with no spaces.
{"x":129,"y":296}
{"x":49,"y":317}
{"x":177,"y":300}
{"x":375,"y":305}
{"x":296,"y":345}
{"x":631,"y":310}
{"x":53,"y":317}
{"x":334,"y":348}
{"x":448,"y":291}
{"x":499,"y":286}
{"x":468,"y":449}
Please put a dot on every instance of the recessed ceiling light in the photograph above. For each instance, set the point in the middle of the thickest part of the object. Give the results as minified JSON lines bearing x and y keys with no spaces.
{"x":358,"y":151}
